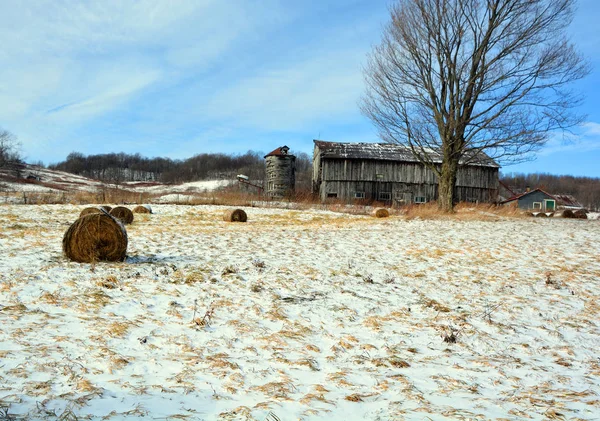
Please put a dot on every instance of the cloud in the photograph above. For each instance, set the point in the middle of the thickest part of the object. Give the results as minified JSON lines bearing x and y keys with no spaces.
{"x":179,"y":76}
{"x":587,"y":140}
{"x":292,"y":96}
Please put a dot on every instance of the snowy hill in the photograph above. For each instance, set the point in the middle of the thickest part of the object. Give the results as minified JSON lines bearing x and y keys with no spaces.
{"x":34,"y":179}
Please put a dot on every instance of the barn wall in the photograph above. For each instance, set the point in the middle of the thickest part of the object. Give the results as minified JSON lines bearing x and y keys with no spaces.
{"x":405,"y":172}
{"x":317,"y":175}
{"x":403,"y":180}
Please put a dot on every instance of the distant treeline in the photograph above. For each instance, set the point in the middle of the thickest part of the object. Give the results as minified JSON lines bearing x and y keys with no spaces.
{"x":121,"y":167}
{"x":585,"y":189}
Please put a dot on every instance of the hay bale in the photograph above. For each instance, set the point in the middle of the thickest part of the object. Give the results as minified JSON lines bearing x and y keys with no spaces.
{"x":106,"y":208}
{"x":235,"y":215}
{"x":564,"y":213}
{"x":95,"y":237}
{"x":142,"y":209}
{"x":123,"y":214}
{"x":580,"y":214}
{"x":88,"y":211}
{"x":381,"y":213}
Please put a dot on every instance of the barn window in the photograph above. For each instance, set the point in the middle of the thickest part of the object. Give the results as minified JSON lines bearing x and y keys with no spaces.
{"x":420,"y":199}
{"x":359,"y":195}
{"x":385,"y":196}
{"x":537,"y":205}
{"x":333,"y":195}
{"x":550,"y":205}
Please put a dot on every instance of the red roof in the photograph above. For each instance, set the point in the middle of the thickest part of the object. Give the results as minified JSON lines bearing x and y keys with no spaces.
{"x":280,"y":151}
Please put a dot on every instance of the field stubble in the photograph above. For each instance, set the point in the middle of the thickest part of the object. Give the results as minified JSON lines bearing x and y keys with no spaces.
{"x":301,"y":314}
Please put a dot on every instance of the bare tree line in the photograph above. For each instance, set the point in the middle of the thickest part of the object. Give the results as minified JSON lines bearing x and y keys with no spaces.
{"x":121,"y":167}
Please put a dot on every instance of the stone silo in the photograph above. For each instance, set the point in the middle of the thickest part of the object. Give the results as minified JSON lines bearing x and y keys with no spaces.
{"x":280,"y":172}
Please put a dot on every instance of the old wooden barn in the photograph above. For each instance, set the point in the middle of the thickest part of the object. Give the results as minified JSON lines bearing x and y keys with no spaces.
{"x":391,"y":173}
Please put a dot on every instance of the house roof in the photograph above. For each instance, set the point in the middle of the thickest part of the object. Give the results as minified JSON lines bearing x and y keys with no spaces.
{"x":280,"y":151}
{"x":387,"y":152}
{"x":567,"y":200}
{"x":520,"y":196}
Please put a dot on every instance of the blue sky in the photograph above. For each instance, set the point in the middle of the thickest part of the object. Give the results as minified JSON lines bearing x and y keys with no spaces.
{"x":183,"y":77}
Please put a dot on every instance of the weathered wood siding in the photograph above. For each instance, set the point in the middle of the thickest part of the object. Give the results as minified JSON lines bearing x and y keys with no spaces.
{"x":526,"y":202}
{"x":281,"y":175}
{"x":405,"y":181}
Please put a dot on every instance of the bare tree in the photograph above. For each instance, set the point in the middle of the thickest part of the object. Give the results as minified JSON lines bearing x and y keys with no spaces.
{"x":10,"y":156}
{"x":456,"y":80}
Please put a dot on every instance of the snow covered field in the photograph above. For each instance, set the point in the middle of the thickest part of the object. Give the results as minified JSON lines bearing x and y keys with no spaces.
{"x":301,"y":315}
{"x":53,"y":185}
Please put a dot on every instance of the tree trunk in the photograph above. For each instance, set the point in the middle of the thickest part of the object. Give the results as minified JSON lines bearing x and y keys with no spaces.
{"x":446,"y":185}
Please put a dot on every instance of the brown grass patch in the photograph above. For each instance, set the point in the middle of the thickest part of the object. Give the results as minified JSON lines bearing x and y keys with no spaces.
{"x":463,"y":211}
{"x":431,"y":303}
{"x":111,"y":282}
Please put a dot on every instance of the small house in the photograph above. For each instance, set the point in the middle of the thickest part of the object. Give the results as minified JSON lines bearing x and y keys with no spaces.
{"x":536,"y":200}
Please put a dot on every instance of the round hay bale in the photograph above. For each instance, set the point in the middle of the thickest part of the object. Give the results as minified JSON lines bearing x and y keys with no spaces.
{"x":106,"y":208}
{"x":123,"y":214}
{"x":235,"y":215}
{"x":580,"y":214}
{"x":381,"y":213}
{"x":565,"y":213}
{"x":142,"y":209}
{"x":95,"y":237}
{"x":88,"y":211}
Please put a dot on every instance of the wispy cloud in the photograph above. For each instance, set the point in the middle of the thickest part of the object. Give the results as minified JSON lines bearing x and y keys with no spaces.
{"x":587,"y":140}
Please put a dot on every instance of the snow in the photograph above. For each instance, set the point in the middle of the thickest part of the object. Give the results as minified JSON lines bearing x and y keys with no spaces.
{"x":60,"y":187}
{"x":301,"y":315}
{"x":195,"y":186}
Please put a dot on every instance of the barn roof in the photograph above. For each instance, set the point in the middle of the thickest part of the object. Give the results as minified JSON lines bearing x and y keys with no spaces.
{"x":386,"y":152}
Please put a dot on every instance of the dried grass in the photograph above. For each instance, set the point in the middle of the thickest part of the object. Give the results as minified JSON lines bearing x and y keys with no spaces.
{"x":463,"y":211}
{"x":95,"y":237}
{"x":89,"y":211}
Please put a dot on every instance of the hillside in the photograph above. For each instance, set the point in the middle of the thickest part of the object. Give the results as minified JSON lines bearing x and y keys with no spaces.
{"x":38,"y":183}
